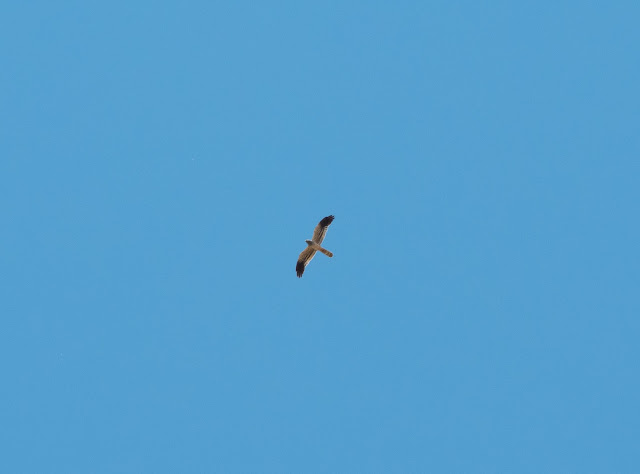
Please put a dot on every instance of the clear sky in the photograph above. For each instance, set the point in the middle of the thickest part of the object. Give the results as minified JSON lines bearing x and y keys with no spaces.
{"x":162,"y":163}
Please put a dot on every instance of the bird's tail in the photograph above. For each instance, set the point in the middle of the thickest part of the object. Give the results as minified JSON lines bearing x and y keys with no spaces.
{"x":326,"y":252}
{"x":317,"y":247}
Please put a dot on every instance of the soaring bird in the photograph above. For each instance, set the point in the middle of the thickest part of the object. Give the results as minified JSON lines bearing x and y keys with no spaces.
{"x":313,"y":245}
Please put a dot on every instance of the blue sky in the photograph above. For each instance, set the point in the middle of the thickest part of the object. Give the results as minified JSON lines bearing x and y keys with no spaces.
{"x":162,"y":163}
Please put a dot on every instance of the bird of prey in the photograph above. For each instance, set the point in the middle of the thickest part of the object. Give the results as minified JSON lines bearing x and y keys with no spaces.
{"x":313,"y":245}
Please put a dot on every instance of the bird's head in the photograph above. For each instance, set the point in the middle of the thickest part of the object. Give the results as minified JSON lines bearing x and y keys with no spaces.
{"x":309,"y":242}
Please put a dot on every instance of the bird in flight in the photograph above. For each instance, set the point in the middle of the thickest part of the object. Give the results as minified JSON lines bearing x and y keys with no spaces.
{"x":313,"y":245}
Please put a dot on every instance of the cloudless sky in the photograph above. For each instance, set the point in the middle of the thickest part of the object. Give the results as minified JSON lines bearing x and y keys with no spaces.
{"x":162,"y":163}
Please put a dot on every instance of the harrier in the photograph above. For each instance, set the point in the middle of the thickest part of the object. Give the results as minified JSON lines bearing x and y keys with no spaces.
{"x":313,"y":245}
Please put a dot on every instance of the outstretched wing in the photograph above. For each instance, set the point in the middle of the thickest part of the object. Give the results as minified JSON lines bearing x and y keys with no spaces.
{"x":303,"y":260}
{"x":321,"y":229}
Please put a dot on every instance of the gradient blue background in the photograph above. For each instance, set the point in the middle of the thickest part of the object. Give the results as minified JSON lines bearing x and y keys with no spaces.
{"x":162,"y":163}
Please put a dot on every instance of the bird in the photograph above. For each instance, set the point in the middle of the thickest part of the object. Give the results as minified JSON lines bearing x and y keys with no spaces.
{"x":313,"y":245}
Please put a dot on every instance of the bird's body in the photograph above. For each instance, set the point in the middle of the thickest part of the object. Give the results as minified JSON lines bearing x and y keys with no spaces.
{"x":314,"y":246}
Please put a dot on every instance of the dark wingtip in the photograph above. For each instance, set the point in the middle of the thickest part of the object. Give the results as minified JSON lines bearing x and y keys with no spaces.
{"x":326,"y":221}
{"x":299,"y":269}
